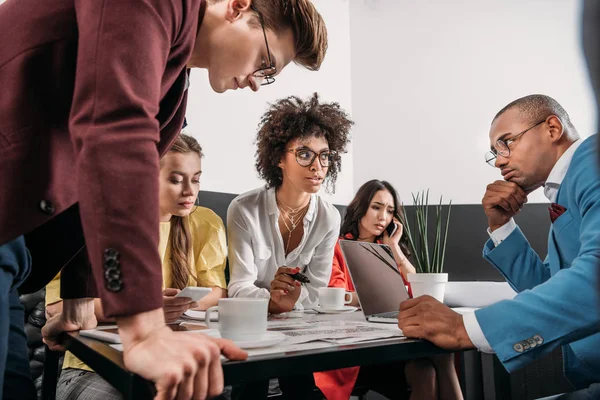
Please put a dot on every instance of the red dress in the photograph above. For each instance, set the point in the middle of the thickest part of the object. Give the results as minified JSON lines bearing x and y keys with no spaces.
{"x":337,"y":384}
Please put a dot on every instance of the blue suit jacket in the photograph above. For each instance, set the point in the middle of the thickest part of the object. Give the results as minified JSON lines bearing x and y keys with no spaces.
{"x":558,"y":300}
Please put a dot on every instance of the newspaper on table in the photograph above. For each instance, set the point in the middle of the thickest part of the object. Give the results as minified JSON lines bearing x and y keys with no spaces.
{"x":313,"y":335}
{"x":304,"y":335}
{"x":333,"y":331}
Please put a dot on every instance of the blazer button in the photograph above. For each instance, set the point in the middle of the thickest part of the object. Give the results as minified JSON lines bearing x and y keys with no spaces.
{"x":47,"y":207}
{"x":532,"y":343}
{"x":538,"y":339}
{"x":111,"y":263}
{"x":111,"y":254}
{"x":518,"y":347}
{"x":525,"y":344}
{"x":112,"y":274}
{"x":114,"y":285}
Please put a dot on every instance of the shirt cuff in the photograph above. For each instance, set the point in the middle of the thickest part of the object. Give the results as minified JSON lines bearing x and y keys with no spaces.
{"x":500,"y":234}
{"x":476,"y":334}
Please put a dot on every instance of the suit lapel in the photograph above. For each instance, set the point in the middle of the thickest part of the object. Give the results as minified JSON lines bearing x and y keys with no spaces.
{"x":553,"y":246}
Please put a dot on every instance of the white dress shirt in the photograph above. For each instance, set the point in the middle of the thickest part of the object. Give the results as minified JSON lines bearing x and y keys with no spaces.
{"x":256,"y":248}
{"x":499,"y":235}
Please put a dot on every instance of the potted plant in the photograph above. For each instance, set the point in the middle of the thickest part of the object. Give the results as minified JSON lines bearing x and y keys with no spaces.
{"x":428,"y":248}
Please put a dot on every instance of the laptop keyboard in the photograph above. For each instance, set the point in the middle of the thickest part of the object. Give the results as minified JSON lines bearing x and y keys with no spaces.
{"x":391,"y":314}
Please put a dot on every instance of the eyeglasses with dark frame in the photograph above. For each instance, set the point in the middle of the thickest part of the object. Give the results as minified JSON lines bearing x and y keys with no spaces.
{"x":265,"y":73}
{"x":306,"y":157}
{"x":502,"y":146}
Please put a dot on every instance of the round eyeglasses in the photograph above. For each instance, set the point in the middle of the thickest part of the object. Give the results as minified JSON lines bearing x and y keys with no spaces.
{"x":265,"y":74}
{"x":306,"y":157}
{"x":502,"y":146}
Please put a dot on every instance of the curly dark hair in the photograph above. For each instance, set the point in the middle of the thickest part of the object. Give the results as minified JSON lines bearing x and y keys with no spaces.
{"x":359,"y":206}
{"x":292,"y":118}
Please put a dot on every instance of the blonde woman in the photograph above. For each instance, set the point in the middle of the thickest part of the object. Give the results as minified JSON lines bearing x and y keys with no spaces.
{"x":193,"y":250}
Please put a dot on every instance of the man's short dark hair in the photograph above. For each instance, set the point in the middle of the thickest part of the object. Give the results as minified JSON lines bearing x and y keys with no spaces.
{"x":536,"y":107}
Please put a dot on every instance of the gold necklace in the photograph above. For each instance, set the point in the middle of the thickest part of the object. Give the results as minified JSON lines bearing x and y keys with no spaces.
{"x":294,"y":218}
{"x":291,"y":209}
{"x":294,"y":215}
{"x":293,"y":221}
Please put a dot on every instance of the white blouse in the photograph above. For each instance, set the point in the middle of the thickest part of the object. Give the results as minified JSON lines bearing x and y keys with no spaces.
{"x":256,"y":248}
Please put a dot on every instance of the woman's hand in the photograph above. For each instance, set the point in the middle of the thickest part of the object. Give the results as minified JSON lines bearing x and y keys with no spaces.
{"x":395,"y":238}
{"x":175,"y":306}
{"x":403,"y":263}
{"x":285,"y":291}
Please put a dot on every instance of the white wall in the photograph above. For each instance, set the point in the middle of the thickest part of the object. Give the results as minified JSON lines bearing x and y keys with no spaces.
{"x":429,"y":75}
{"x":422,"y":79}
{"x":225,"y":124}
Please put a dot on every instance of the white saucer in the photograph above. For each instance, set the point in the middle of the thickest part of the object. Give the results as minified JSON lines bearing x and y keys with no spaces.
{"x":269,"y":339}
{"x":346,"y":309}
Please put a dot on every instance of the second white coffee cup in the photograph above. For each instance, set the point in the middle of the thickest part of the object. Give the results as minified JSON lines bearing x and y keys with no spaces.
{"x":240,"y":319}
{"x":334,"y":298}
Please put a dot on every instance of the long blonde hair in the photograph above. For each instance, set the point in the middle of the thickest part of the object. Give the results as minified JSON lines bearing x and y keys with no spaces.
{"x":180,"y":237}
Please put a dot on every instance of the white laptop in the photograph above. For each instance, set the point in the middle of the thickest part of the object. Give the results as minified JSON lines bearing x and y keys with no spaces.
{"x":378,"y":284}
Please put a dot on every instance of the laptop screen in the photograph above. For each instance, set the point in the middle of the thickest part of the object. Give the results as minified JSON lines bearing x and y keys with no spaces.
{"x":373,"y":270}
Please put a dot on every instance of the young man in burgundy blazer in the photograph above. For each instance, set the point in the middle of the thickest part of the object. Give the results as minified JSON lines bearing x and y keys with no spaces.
{"x":92,"y":93}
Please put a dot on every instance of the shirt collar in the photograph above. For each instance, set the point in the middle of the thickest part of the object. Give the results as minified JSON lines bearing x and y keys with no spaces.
{"x":272,"y":204}
{"x":271,"y":201}
{"x":559,"y":171}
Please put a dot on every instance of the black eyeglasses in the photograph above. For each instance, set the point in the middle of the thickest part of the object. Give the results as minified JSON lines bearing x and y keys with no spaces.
{"x":306,"y":157}
{"x":266,"y":73}
{"x":502,"y":148}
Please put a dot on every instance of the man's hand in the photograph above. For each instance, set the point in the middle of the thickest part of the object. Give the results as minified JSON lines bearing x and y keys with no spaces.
{"x":285,"y":291}
{"x":502,"y":201}
{"x":426,"y":318}
{"x":181,"y":365}
{"x":76,"y":314}
{"x":173,"y":306}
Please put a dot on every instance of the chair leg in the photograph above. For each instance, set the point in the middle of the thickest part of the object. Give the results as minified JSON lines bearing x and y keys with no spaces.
{"x":50,"y":377}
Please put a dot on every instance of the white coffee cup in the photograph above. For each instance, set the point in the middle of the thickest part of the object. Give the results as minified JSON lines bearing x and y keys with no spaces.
{"x":334,"y":298}
{"x":240,"y":319}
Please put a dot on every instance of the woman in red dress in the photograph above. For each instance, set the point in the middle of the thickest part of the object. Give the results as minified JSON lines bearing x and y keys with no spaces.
{"x":374,"y":207}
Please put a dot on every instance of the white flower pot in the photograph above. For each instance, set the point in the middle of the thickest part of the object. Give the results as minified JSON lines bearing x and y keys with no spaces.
{"x":433,"y":285}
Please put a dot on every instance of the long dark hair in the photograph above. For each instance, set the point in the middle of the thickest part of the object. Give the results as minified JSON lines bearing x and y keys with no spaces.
{"x":180,"y":238}
{"x":359,"y":206}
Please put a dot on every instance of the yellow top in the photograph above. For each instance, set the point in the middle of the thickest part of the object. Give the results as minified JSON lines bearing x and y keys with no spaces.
{"x":209,"y":248}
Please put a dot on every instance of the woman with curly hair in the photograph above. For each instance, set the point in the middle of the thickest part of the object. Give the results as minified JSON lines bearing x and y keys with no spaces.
{"x":374,"y":207}
{"x":284,"y":227}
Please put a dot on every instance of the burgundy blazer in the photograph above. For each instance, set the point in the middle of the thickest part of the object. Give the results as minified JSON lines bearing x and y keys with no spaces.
{"x":92,"y":92}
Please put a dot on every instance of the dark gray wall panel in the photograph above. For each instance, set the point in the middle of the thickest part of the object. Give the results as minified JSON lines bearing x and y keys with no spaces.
{"x":466,"y":236}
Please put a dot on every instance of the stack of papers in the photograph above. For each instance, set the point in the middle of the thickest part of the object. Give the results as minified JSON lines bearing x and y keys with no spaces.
{"x":304,"y":335}
{"x":335,"y":331}
{"x":199,"y":315}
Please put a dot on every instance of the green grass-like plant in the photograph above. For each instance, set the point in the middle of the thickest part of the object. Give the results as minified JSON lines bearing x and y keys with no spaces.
{"x":419,"y":240}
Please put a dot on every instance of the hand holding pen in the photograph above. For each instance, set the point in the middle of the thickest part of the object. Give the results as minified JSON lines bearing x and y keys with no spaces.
{"x":285,"y":289}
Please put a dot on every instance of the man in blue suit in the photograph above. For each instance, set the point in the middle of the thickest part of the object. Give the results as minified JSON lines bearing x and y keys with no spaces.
{"x":534,"y":144}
